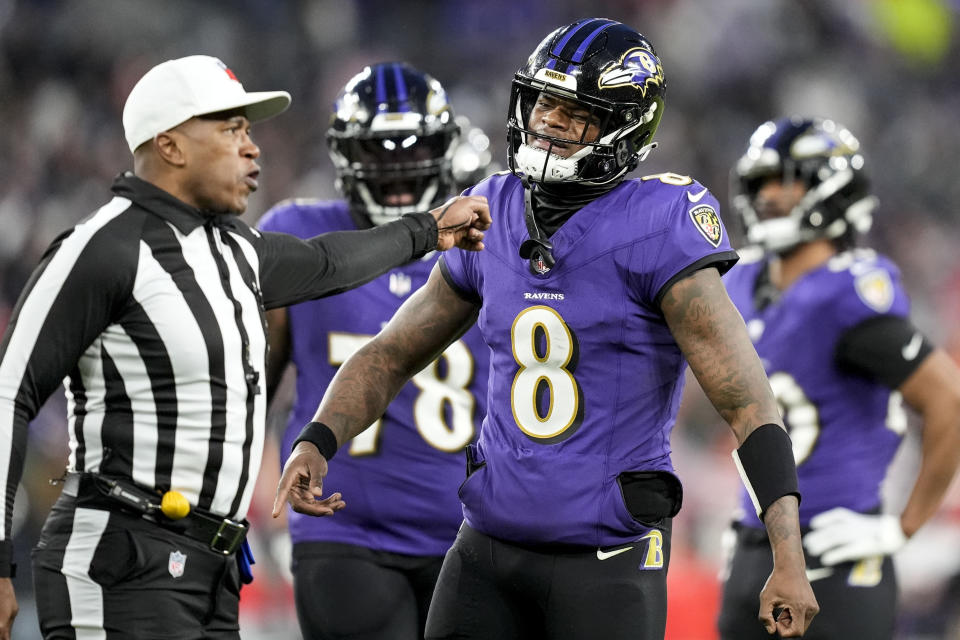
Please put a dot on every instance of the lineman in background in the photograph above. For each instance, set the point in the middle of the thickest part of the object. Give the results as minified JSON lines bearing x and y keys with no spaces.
{"x":369,"y":572}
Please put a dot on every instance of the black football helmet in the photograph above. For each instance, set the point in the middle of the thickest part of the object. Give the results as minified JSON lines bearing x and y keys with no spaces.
{"x":825,"y":157}
{"x":392,"y":133}
{"x":613,"y":72}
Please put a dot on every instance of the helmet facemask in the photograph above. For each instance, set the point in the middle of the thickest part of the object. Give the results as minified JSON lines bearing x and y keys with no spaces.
{"x":377,"y":170}
{"x":605,"y":157}
{"x":609,"y":74}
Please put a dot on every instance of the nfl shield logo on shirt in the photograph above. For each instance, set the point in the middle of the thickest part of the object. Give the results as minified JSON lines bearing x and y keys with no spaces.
{"x":400,"y":284}
{"x":176,"y":563}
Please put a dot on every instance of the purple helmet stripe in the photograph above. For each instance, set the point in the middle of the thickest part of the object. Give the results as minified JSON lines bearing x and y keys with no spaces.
{"x":560,"y":45}
{"x":783,"y":136}
{"x":582,"y":49}
{"x":401,"y":88}
{"x":381,"y":95}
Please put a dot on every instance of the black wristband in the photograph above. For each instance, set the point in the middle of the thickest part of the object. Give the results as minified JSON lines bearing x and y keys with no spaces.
{"x":766,"y":465}
{"x":321,"y":436}
{"x":7,"y":567}
{"x":423,"y":226}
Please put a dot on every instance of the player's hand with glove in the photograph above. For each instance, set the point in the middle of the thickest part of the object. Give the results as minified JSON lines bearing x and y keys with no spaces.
{"x":841,"y":535}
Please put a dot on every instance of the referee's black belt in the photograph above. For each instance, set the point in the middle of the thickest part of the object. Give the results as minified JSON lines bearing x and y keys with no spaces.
{"x":222,"y":535}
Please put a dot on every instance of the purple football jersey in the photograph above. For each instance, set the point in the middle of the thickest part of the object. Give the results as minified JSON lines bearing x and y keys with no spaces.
{"x":845,"y":428}
{"x":400,"y":476}
{"x":585,"y":377}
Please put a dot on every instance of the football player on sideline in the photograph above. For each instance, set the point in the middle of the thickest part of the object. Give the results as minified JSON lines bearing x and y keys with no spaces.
{"x":831,"y":324}
{"x":394,"y":140}
{"x":593,"y":293}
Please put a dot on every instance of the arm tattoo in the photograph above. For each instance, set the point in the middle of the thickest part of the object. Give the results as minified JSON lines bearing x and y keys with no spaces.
{"x":712,"y":336}
{"x":781,"y":523}
{"x":367,"y":382}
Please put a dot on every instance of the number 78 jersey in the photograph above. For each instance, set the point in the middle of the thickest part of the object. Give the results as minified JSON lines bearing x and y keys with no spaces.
{"x":585,"y":376}
{"x":399,"y":476}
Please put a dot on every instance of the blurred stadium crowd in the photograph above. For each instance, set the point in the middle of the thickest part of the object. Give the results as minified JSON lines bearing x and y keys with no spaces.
{"x":885,"y":68}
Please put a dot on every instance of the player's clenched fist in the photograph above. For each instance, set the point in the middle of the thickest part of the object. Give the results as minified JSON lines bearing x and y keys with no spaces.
{"x":461,"y":222}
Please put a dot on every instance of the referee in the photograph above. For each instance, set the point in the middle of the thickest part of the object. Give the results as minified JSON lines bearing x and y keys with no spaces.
{"x":151,"y":313}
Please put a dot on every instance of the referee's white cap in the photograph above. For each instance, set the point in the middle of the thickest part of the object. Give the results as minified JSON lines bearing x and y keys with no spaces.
{"x":176,"y":90}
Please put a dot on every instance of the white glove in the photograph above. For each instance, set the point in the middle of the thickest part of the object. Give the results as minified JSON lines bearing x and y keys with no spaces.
{"x":841,"y":535}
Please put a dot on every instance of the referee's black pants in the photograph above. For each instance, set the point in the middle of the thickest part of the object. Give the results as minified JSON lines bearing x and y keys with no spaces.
{"x":106,"y":575}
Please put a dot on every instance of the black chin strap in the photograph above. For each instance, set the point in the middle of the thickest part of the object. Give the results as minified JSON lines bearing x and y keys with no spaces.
{"x":537,"y":249}
{"x":556,"y":203}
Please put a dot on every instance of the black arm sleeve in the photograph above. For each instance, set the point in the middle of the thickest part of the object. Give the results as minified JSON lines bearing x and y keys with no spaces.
{"x":884,"y":348}
{"x":294,"y":270}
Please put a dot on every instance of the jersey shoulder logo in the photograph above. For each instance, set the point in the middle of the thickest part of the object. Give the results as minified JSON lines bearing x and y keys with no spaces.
{"x":707,"y":221}
{"x":875,"y":289}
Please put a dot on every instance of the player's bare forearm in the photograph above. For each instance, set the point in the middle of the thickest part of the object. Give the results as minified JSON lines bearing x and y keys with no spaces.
{"x":787,"y":602}
{"x":712,"y":336}
{"x":933,"y":390}
{"x":714,"y":340}
{"x":422,"y":328}
{"x":782,"y":522}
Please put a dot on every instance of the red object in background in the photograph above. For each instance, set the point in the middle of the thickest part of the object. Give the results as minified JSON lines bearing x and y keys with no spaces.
{"x":693,"y":597}
{"x":266,"y":603}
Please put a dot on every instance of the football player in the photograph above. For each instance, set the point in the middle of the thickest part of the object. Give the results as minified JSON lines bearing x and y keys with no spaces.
{"x":369,"y":573}
{"x":593,"y":293}
{"x":830,"y":321}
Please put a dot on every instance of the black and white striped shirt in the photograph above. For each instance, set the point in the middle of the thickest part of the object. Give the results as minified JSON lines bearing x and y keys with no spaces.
{"x":151,"y":315}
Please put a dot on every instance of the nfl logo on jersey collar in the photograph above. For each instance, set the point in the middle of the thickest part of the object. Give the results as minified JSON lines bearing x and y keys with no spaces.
{"x":539,"y":265}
